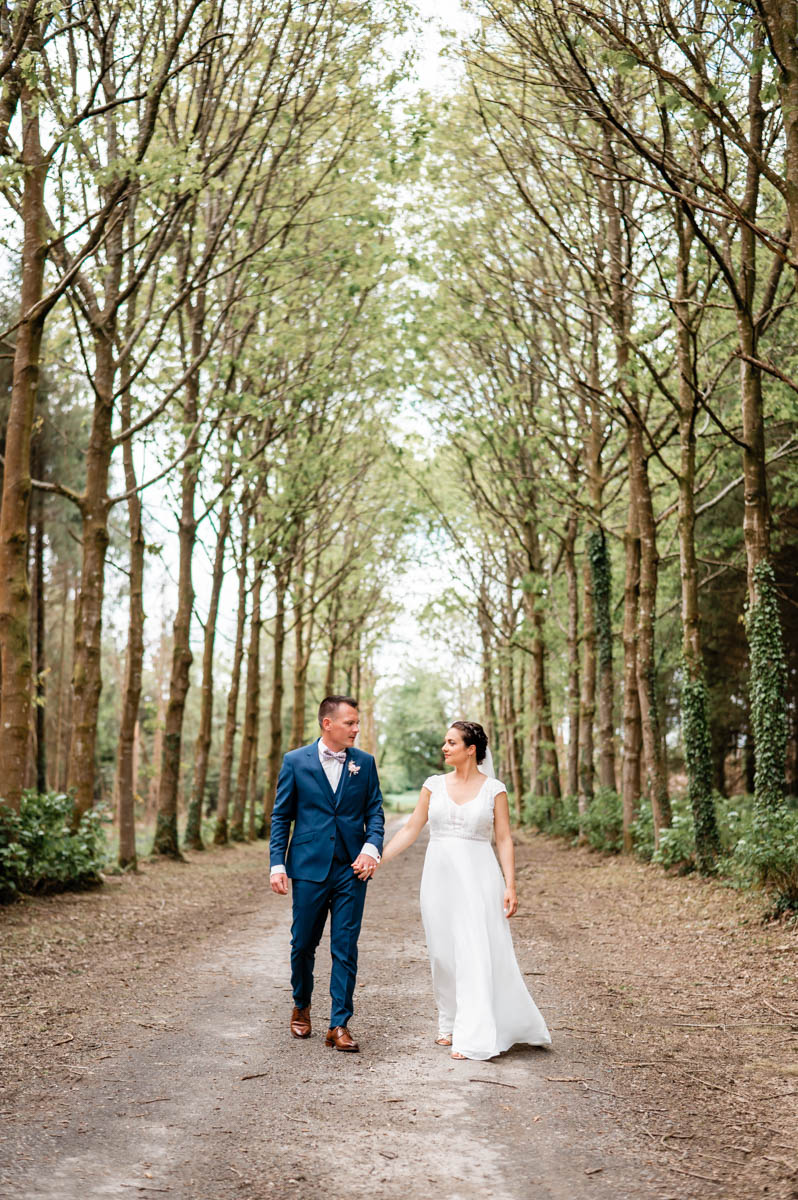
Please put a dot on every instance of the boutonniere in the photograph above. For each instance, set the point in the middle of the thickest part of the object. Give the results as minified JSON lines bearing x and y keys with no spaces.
{"x":353,"y":768}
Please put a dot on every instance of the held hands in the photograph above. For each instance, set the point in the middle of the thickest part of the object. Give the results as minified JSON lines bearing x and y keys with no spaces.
{"x":510,"y":902}
{"x":364,"y":866}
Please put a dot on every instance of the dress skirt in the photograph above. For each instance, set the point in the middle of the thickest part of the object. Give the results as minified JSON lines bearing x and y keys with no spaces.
{"x":481,"y":996}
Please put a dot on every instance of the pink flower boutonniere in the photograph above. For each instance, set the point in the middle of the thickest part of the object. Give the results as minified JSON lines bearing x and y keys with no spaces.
{"x":353,"y":768}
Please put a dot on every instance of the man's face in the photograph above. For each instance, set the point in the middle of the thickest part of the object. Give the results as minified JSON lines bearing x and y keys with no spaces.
{"x":341,"y":729}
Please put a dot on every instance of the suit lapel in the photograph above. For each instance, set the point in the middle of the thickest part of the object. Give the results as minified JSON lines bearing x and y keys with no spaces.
{"x":318,"y":771}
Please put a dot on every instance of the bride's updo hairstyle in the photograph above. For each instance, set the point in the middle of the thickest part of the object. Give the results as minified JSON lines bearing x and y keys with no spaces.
{"x":473,"y":735}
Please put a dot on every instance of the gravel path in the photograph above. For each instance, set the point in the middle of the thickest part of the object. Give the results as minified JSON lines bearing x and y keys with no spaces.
{"x":180,"y":1077}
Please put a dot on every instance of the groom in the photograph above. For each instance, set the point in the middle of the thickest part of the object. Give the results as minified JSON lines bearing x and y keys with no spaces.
{"x":331,"y":792}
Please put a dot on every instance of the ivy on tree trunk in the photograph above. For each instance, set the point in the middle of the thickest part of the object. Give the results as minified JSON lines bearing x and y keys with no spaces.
{"x":768,"y":692}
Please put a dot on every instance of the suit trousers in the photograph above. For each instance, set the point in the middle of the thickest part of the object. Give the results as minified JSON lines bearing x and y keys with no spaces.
{"x":342,"y":895}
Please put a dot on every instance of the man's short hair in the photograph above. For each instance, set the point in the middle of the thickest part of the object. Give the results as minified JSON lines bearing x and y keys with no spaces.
{"x":329,"y":706}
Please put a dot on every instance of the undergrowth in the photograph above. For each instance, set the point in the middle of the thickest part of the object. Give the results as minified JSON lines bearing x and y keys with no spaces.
{"x":755,"y":848}
{"x":39,"y":852}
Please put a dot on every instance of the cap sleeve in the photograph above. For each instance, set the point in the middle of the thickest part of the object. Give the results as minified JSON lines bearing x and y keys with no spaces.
{"x":498,"y":787}
{"x":429,"y":782}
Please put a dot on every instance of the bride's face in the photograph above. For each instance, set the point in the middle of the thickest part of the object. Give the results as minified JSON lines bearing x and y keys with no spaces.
{"x":455,"y":752}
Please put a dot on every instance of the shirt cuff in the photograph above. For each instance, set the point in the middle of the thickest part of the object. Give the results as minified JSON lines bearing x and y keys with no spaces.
{"x":372,"y":851}
{"x":277,"y":870}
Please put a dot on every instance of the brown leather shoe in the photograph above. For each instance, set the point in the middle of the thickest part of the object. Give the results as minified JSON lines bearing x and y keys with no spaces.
{"x":300,"y":1022}
{"x":342,"y":1039}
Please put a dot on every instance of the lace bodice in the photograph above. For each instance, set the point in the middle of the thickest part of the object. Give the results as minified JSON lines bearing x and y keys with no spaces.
{"x":473,"y":820}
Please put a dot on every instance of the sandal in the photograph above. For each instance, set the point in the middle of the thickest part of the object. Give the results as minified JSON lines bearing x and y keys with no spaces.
{"x":456,"y":1054}
{"x":443,"y":1040}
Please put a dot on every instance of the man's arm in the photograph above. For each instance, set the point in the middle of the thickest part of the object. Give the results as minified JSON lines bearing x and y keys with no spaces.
{"x":368,"y":859}
{"x":282,"y":815}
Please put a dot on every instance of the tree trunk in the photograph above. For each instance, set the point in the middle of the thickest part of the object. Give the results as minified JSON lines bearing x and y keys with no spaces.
{"x":252,"y":824}
{"x":160,"y":718}
{"x":521,"y":707}
{"x":756,"y":507}
{"x":510,"y":729}
{"x":619,"y":248}
{"x":221,"y":831}
{"x":126,"y":776}
{"x":535,"y":760}
{"x":254,"y":828}
{"x":749,"y":761}
{"x":303,"y":635}
{"x":756,"y":512}
{"x":193,"y":836}
{"x":251,"y":711}
{"x":779,"y":20}
{"x":598,"y":623}
{"x":640,"y":586}
{"x":368,"y":728}
{"x":301,"y":663}
{"x":486,"y":638}
{"x":40,"y":675}
{"x":572,"y":787}
{"x":769,"y":674}
{"x":125,"y":773}
{"x":640,"y":495}
{"x":281,"y":576}
{"x":694,"y":697}
{"x":94,"y":509}
{"x":329,"y":678}
{"x":166,"y":837}
{"x":601,"y":577}
{"x":62,"y":716}
{"x":15,"y":650}
{"x":587,"y":707}
{"x":548,"y":779}
{"x":136,"y":757}
{"x":630,"y":781}
{"x":543,"y":743}
{"x":720,"y":748}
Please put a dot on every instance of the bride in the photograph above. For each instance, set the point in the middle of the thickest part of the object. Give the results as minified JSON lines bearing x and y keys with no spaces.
{"x":483,"y":1004}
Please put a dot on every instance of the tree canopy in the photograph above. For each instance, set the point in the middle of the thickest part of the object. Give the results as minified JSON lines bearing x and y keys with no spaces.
{"x":277,"y":317}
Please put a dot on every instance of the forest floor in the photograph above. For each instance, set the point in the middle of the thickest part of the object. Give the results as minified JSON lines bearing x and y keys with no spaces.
{"x":146,"y":1049}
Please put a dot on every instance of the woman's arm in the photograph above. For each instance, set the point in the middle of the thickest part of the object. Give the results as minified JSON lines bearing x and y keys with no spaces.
{"x":505,"y":851}
{"x":410,"y":831}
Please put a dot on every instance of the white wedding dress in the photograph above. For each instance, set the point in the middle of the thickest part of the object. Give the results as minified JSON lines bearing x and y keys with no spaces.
{"x":483,"y":1003}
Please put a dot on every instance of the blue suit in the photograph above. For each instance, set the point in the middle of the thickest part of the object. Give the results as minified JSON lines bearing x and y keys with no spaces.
{"x":330,"y":829}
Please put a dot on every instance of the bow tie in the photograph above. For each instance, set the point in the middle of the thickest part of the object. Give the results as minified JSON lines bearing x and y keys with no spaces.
{"x":338,"y":755}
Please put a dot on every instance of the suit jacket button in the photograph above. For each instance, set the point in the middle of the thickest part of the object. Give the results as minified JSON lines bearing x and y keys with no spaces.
{"x":332,"y":837}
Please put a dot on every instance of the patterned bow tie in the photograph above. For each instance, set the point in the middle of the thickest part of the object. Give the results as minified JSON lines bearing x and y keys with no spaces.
{"x":338,"y":755}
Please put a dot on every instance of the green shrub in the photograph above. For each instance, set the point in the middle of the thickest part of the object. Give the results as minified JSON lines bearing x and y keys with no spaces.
{"x":735,"y":818}
{"x":558,"y":816}
{"x":643,"y":832}
{"x":602,"y":824}
{"x":40,"y":853}
{"x":677,"y":843}
{"x":758,"y":847}
{"x":769,"y":854}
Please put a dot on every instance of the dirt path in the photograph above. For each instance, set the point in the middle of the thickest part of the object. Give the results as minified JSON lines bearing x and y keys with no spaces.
{"x":133,"y":1016}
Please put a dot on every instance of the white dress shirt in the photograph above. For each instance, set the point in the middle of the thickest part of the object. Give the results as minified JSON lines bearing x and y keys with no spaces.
{"x":332,"y":768}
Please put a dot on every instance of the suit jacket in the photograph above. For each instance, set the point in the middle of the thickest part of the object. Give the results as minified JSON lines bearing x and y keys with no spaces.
{"x":353,"y":814}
